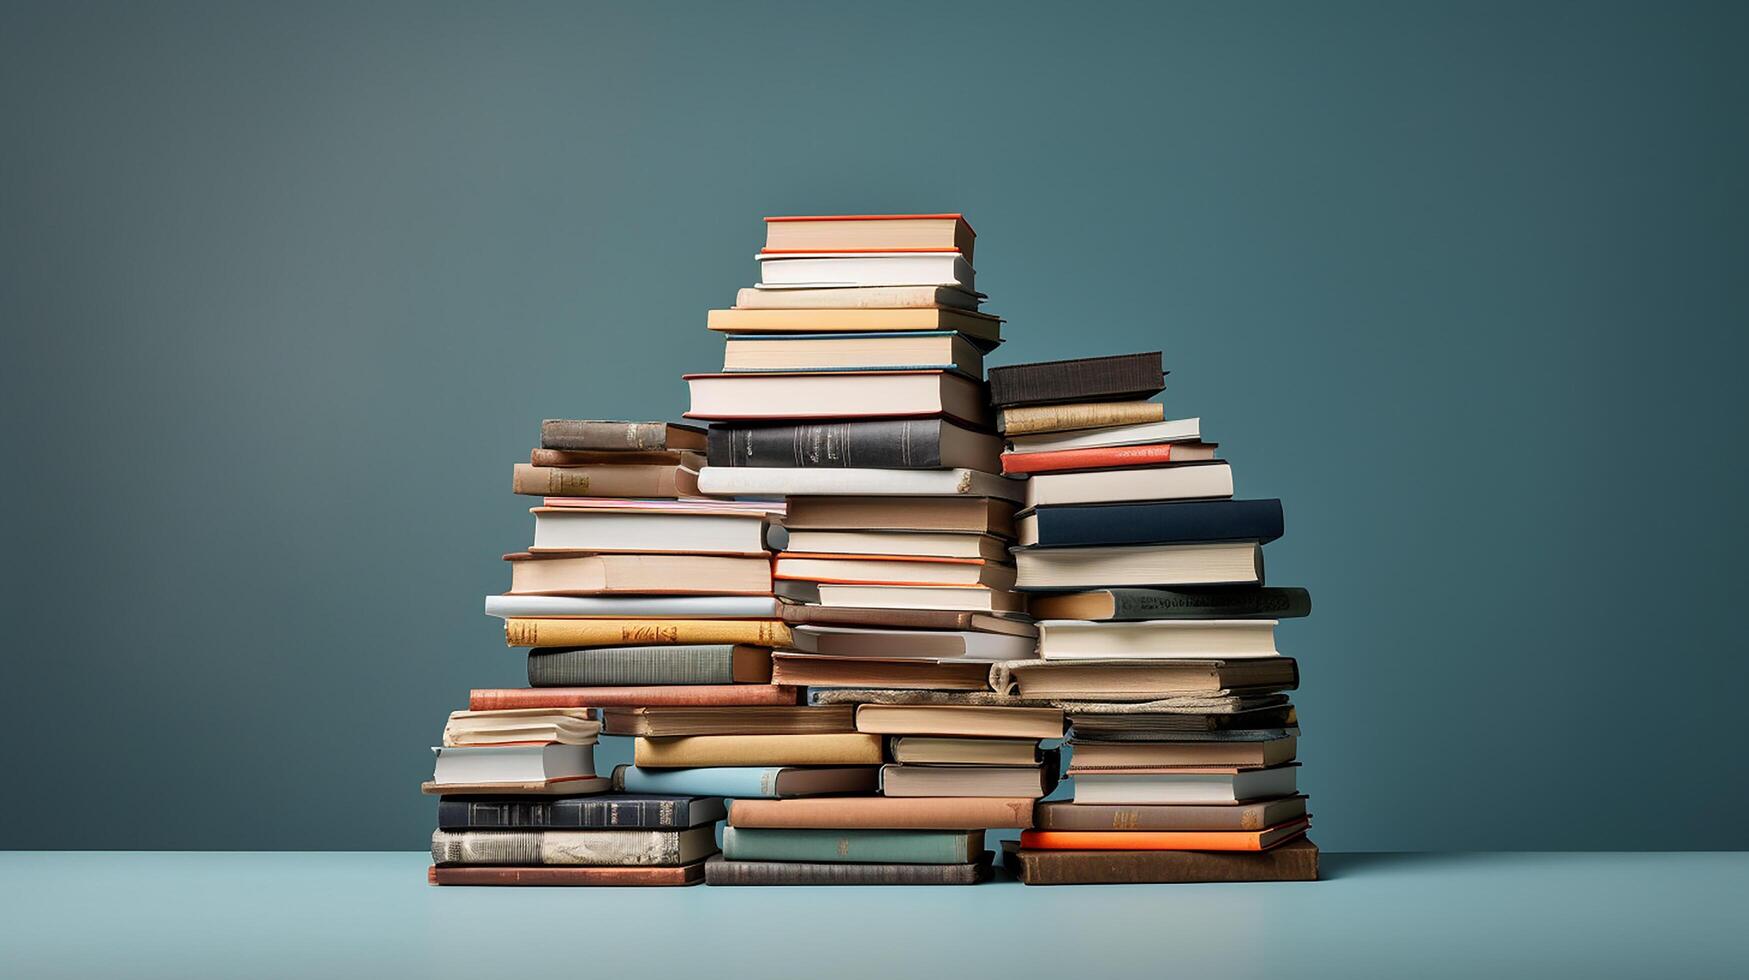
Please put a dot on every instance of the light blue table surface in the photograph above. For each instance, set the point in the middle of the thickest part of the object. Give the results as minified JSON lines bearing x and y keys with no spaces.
{"x":202,"y":914}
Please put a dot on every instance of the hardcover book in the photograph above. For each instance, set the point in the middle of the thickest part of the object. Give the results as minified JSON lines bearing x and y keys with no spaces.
{"x":867,"y":269}
{"x":884,"y":813}
{"x":1216,"y":563}
{"x":1024,"y":420}
{"x":1187,"y":603}
{"x":715,"y":663}
{"x":585,"y":876}
{"x":592,"y":435}
{"x":631,"y":607}
{"x":1121,"y":377}
{"x":532,"y":574}
{"x":1178,"y":522}
{"x":907,"y":444}
{"x":699,"y":751}
{"x":1164,"y":639}
{"x":855,"y":298}
{"x":609,"y":810}
{"x":957,"y":514}
{"x":644,"y":632}
{"x":904,"y":780}
{"x":1206,"y":786}
{"x":853,"y":846}
{"x":1183,"y":481}
{"x":1116,"y":457}
{"x":866,"y":394}
{"x":870,"y":232}
{"x":1245,"y":753}
{"x":849,"y":321}
{"x":855,"y":482}
{"x":906,"y":619}
{"x":916,"y":350}
{"x":720,"y":872}
{"x":1236,"y":817}
{"x":1164,"y":840}
{"x":1141,"y":680}
{"x":968,"y":720}
{"x":1294,"y":861}
{"x":570,"y":726}
{"x":487,"y":699}
{"x":612,"y":847}
{"x":811,"y":670}
{"x":748,"y":782}
{"x":604,"y":481}
{"x":682,"y":529}
{"x":768,"y":720}
{"x":1132,"y":434}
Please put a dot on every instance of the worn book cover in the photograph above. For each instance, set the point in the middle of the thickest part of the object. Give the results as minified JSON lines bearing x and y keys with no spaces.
{"x":1295,"y":861}
{"x":485,"y":699}
{"x":584,"y":876}
{"x":718,"y":871}
{"x":1117,"y":377}
{"x":609,"y":810}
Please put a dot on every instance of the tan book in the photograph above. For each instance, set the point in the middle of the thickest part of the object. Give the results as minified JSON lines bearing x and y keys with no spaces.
{"x":982,"y":326}
{"x":1215,"y":563}
{"x":1024,"y":419}
{"x":870,"y":233}
{"x":590,"y":457}
{"x":757,"y":353}
{"x":1131,"y":755}
{"x":638,"y":575}
{"x":885,"y":813}
{"x":643,"y":632}
{"x":933,"y":597}
{"x":733,"y":720}
{"x":807,"y":670}
{"x":894,"y":570}
{"x":992,"y":781}
{"x":854,"y":298}
{"x":566,"y":726}
{"x":1062,"y":815}
{"x":944,"y":719}
{"x":1139,"y":680}
{"x":956,"y":750}
{"x":964,"y":515}
{"x":605,"y":481}
{"x":616,"y":435}
{"x":920,"y":619}
{"x":698,"y":751}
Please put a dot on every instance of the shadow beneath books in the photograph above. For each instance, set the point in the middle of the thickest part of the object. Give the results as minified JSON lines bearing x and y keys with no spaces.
{"x":1332,"y":867}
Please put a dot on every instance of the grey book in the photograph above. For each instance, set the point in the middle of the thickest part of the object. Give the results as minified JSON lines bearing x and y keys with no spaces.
{"x":711,"y":663}
{"x":573,"y":847}
{"x":718,"y":871}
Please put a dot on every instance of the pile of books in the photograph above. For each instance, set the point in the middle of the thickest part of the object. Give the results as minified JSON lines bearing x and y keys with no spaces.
{"x":852,"y":386}
{"x":1156,"y":637}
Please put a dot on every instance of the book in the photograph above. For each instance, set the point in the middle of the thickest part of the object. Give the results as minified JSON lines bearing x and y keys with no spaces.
{"x":845,"y":641}
{"x":567,"y":726}
{"x":708,"y":751}
{"x":1296,"y":860}
{"x":682,"y":531}
{"x":487,"y":699}
{"x":614,"y":457}
{"x":1036,"y":781}
{"x":853,"y":482}
{"x":539,"y":762}
{"x":811,"y":670}
{"x":893,"y":570}
{"x":1183,"y":481}
{"x":532,"y":574}
{"x":1205,"y":639}
{"x":748,"y":782}
{"x":1134,"y":434}
{"x":1116,"y":457}
{"x":1029,"y":419}
{"x":956,"y":514}
{"x":575,"y":875}
{"x":593,"y":435}
{"x":631,"y":607}
{"x":903,"y":619}
{"x":706,"y":663}
{"x":1138,"y":680}
{"x":1144,"y":725}
{"x":1119,"y":377}
{"x":1202,"y":786}
{"x":972,"y":720}
{"x":870,"y":232}
{"x":1186,"y":603}
{"x":917,"y":350}
{"x":604,"y":481}
{"x":853,"y":846}
{"x":867,"y":269}
{"x":954,"y":750}
{"x":772,"y":509}
{"x":906,"y":544}
{"x":884,"y":813}
{"x":855,"y":298}
{"x":1219,"y":563}
{"x":597,"y":847}
{"x":846,"y":395}
{"x":984,"y":329}
{"x":609,"y":810}
{"x":945,"y":597}
{"x":643,"y":632}
{"x":761,"y":720}
{"x":569,"y":786}
{"x":1233,"y":817}
{"x":720,"y":872}
{"x":1176,"y":522}
{"x":907,"y":444}
{"x":1247,"y":753}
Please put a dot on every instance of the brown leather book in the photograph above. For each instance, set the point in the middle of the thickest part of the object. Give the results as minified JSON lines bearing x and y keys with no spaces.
{"x":685,"y":874}
{"x":797,"y":614}
{"x":490,"y":699}
{"x":885,"y":813}
{"x":1244,"y":816}
{"x":698,"y":751}
{"x":807,"y":670}
{"x":619,"y":480}
{"x":684,"y":720}
{"x":1295,"y":861}
{"x":585,"y":457}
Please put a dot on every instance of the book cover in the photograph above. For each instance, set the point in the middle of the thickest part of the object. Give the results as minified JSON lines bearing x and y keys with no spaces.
{"x":1164,"y":840}
{"x":1117,"y":605}
{"x":1087,"y":379}
{"x":1161,"y":522}
{"x":1028,"y":419}
{"x":644,"y":632}
{"x":590,"y":434}
{"x":907,"y":444}
{"x":717,"y":663}
{"x":616,"y":847}
{"x":584,"y":876}
{"x":612,"y":810}
{"x":853,"y":846}
{"x":1062,"y":815}
{"x":720,"y":872}
{"x":885,"y":813}
{"x":748,"y":782}
{"x":489,"y":698}
{"x":1295,"y":861}
{"x":690,"y":751}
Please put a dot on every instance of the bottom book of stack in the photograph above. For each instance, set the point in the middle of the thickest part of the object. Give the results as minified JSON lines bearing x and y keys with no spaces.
{"x":871,"y":840}
{"x":616,"y":839}
{"x":1296,"y":860}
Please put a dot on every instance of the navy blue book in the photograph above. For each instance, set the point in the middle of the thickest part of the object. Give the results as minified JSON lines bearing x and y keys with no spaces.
{"x":639,"y":811}
{"x":1161,"y":522}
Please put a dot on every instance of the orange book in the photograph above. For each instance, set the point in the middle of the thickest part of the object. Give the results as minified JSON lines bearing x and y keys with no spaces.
{"x":1164,"y":840}
{"x":1107,"y":457}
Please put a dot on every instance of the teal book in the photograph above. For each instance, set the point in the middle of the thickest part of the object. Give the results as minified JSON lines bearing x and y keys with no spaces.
{"x":748,"y":782}
{"x":853,"y":846}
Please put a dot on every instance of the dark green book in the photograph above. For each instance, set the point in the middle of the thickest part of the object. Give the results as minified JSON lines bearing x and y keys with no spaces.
{"x":853,"y":846}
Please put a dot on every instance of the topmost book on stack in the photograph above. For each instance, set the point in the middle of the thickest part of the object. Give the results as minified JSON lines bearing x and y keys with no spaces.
{"x":1120,"y":377}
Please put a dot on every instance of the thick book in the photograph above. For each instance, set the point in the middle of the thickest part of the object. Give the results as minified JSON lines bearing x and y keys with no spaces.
{"x":1163,"y":639}
{"x":1119,"y":605}
{"x":870,"y":233}
{"x":895,"y":444}
{"x":763,"y":720}
{"x":563,"y":574}
{"x":731,"y":481}
{"x":812,"y":670}
{"x":748,"y":782}
{"x":1116,"y":457}
{"x":1140,"y":680}
{"x":853,"y":846}
{"x":846,"y":641}
{"x":1242,"y":753}
{"x":959,"y":750}
{"x":595,"y":435}
{"x":1135,"y":434}
{"x":884,"y":813}
{"x":1183,"y":481}
{"x":855,"y":298}
{"x":609,"y":810}
{"x":550,"y":762}
{"x":907,"y":780}
{"x":893,"y":570}
{"x":865,"y":394}
{"x":569,"y":726}
{"x":955,"y":514}
{"x":583,"y":876}
{"x":710,"y":663}
{"x":611,"y":847}
{"x":644,"y":632}
{"x":1119,"y":377}
{"x":983,"y":328}
{"x":1178,"y":522}
{"x":604,"y":481}
{"x":1030,"y":419}
{"x":904,"y":619}
{"x":631,"y":607}
{"x":1164,"y":840}
{"x":486,"y":699}
{"x":1168,"y":817}
{"x":969,"y":720}
{"x":1214,"y":563}
{"x":866,"y":269}
{"x":682,"y":529}
{"x":710,"y":751}
{"x":1296,"y":860}
{"x":718,"y":871}
{"x":917,"y":350}
{"x":1206,"y":786}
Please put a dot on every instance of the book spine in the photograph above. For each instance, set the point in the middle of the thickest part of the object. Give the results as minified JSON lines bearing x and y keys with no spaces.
{"x":581,"y":876}
{"x":628,"y":607}
{"x":1266,"y":603}
{"x":1085,"y":379}
{"x":493,"y":699}
{"x":575,"y":813}
{"x":797,"y":614}
{"x":691,"y":751}
{"x":866,"y":298}
{"x":1062,"y":418}
{"x":597,"y":481}
{"x":594,"y":457}
{"x":512,"y":847}
{"x":1292,"y":862}
{"x":611,"y":666}
{"x":885,"y":444}
{"x":733,"y":783}
{"x":885,"y":813}
{"x":584,"y":434}
{"x":1142,"y":840}
{"x":848,"y":846}
{"x":720,"y":872}
{"x":520,"y":632}
{"x":1089,"y":459}
{"x":1167,"y":522}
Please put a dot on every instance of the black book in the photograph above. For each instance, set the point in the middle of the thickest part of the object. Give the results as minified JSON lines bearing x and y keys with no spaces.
{"x":1121,"y":377}
{"x":625,"y":810}
{"x":1160,"y":522}
{"x":886,"y":444}
{"x":720,"y":871}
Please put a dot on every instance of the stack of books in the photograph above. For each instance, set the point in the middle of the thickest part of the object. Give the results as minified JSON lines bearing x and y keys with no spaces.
{"x":1156,"y":637}
{"x":852,"y":386}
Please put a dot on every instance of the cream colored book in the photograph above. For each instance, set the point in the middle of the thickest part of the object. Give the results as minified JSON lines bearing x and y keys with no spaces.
{"x":568,"y":726}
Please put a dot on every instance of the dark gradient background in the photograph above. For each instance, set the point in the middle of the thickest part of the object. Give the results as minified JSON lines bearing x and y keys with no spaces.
{"x":288,"y":287}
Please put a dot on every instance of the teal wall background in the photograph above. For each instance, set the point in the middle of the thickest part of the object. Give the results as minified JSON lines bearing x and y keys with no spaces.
{"x":287,"y":288}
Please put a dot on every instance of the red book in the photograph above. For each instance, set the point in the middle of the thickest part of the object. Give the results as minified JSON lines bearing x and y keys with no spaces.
{"x":493,"y":699}
{"x":1107,"y":457}
{"x":685,"y":874}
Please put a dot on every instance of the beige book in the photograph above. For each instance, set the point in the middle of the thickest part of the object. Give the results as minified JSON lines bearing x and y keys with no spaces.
{"x":1166,"y":754}
{"x":568,"y":726}
{"x":605,"y":481}
{"x":998,"y":781}
{"x":638,"y":575}
{"x":696,"y":751}
{"x":965,"y":515}
{"x":854,"y":298}
{"x":982,"y":326}
{"x":870,"y":232}
{"x":945,"y":719}
{"x":958,"y":750}
{"x":1023,"y":419}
